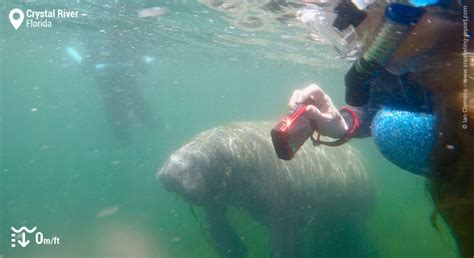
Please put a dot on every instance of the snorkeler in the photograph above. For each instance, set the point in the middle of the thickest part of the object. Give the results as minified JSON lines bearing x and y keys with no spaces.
{"x":404,"y":89}
{"x":116,"y":59}
{"x":116,"y":71}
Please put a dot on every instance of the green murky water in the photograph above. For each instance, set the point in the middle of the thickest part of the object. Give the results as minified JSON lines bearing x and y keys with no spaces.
{"x":70,"y":168}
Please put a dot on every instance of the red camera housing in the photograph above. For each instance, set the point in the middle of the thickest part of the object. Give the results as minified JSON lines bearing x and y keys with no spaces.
{"x":291,"y":132}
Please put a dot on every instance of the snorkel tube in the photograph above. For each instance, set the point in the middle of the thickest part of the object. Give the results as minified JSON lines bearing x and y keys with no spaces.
{"x":398,"y":22}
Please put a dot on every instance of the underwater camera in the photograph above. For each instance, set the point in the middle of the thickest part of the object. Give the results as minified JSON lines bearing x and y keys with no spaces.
{"x":291,"y":132}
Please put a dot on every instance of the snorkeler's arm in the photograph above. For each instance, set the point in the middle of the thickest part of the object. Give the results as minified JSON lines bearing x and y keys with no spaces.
{"x":349,"y":122}
{"x":321,"y":110}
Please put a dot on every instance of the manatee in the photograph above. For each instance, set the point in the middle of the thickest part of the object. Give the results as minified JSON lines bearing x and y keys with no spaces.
{"x":315,"y":205}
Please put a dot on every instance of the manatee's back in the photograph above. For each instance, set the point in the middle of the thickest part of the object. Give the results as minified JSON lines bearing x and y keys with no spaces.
{"x":341,"y":165}
{"x":331,"y":177}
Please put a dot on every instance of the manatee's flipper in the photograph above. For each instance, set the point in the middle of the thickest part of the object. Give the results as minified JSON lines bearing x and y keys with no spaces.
{"x":284,"y":237}
{"x":193,"y":213}
{"x":221,"y":234}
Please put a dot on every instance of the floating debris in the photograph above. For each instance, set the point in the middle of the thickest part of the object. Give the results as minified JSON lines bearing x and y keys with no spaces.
{"x":107,"y":212}
{"x":151,"y":12}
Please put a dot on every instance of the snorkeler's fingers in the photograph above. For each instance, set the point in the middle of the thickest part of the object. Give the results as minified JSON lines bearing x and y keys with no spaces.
{"x":316,"y":94}
{"x":315,"y":114}
{"x":308,"y":92}
{"x":293,"y":98}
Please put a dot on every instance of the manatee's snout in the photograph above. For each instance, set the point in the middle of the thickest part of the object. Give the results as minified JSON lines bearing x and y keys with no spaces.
{"x":181,"y":174}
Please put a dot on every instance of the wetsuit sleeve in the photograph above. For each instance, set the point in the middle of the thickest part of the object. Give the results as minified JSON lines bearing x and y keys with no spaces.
{"x":365,"y":115}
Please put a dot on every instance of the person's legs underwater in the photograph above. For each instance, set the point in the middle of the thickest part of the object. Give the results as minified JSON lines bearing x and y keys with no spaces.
{"x":116,"y":107}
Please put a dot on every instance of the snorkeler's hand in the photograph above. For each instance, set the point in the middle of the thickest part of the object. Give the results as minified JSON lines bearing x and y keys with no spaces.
{"x":320,"y":109}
